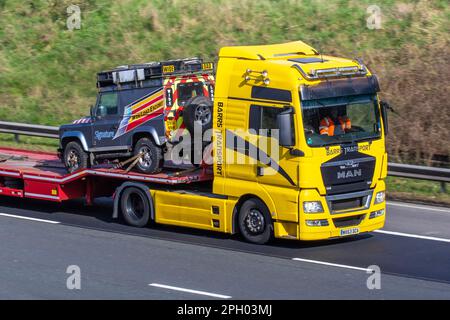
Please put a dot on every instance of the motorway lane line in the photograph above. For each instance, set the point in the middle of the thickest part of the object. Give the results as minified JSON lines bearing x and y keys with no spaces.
{"x":399,"y":204}
{"x":27,"y":218}
{"x":333,"y":264}
{"x":401,"y":234}
{"x":204,"y":293}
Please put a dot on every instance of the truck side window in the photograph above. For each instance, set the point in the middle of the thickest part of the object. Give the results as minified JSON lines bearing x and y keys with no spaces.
{"x":107,"y":104}
{"x":263,"y":118}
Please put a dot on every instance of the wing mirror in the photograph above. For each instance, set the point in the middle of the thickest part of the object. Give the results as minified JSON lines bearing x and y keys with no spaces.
{"x":286,"y":126}
{"x":101,"y":111}
{"x":384,"y":114}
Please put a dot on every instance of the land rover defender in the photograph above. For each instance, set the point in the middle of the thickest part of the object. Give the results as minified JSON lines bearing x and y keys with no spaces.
{"x":141,"y":111}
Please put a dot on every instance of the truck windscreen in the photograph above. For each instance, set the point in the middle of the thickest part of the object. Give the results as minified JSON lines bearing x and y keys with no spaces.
{"x":338,"y":120}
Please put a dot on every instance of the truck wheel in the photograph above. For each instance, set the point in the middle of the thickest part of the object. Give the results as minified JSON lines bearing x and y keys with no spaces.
{"x":74,"y":157}
{"x":152,"y":159}
{"x":198,"y":110}
{"x":255,"y":224}
{"x":135,"y":207}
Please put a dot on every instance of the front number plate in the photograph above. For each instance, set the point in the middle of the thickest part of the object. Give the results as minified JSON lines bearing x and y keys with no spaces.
{"x":348,"y":232}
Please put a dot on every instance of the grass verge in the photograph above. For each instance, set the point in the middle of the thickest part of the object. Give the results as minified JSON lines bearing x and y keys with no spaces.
{"x":420,"y":191}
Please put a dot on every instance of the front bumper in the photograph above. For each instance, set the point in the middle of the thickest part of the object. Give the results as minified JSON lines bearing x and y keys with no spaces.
{"x":302,"y":231}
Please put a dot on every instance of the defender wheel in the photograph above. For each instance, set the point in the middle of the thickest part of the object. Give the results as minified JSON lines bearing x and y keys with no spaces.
{"x":255,"y":223}
{"x":135,"y":207}
{"x":152,"y":159}
{"x":198,"y":110}
{"x":74,"y":157}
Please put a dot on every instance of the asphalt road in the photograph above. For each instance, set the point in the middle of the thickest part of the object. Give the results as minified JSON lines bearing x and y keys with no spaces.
{"x":120,"y":262}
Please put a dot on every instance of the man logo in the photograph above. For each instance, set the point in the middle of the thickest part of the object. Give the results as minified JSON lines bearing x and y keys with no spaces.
{"x":349,"y":174}
{"x":350,"y":164}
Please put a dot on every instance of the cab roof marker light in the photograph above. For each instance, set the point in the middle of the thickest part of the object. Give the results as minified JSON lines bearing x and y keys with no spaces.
{"x":360,"y":62}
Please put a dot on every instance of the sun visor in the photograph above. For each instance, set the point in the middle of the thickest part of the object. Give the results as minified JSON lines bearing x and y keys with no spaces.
{"x":340,"y":87}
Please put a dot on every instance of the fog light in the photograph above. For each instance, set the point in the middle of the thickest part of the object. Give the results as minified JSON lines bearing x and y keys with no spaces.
{"x":312,"y":207}
{"x":380,"y":196}
{"x":377,"y":213}
{"x":317,"y":223}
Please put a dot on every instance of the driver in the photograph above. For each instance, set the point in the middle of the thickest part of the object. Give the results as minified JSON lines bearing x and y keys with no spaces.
{"x":328,"y":123}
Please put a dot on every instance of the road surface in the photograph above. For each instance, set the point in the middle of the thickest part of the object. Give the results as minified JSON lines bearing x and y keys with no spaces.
{"x":41,"y":240}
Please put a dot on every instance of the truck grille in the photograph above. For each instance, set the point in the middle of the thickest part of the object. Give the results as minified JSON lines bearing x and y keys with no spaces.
{"x":348,"y":221}
{"x":344,"y":204}
{"x":348,"y":202}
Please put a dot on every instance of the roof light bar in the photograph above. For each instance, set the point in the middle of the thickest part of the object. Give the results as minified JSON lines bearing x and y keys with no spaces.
{"x":332,"y":72}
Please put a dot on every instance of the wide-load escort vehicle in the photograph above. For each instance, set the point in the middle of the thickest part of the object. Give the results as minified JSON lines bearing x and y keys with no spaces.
{"x":141,"y":109}
{"x":296,"y":149}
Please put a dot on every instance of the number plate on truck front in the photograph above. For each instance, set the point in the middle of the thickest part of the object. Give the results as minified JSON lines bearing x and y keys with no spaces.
{"x":348,"y":232}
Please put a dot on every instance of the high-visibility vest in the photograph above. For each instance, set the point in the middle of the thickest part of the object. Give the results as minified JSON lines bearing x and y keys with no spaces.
{"x":327,"y":126}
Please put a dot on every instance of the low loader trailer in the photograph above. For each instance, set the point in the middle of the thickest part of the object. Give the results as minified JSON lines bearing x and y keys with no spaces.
{"x":297,"y":149}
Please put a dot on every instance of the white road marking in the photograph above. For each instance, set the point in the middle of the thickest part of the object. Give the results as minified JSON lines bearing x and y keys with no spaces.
{"x":401,"y":234}
{"x":27,"y":218}
{"x":215,"y":295}
{"x":333,"y":264}
{"x":399,"y":204}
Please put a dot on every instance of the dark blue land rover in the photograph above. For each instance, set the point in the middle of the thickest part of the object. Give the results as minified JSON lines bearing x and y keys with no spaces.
{"x":140,"y":111}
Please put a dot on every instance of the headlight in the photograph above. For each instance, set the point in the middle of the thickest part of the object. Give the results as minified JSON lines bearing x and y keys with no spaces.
{"x":375,"y":214}
{"x":317,"y":223}
{"x":380,"y":196}
{"x":312,"y":207}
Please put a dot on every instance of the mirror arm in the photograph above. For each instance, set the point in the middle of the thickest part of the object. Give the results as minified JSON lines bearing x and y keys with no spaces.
{"x":296,"y":152}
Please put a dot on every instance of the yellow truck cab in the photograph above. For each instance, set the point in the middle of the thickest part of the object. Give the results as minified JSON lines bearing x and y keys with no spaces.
{"x":297,"y":151}
{"x":299,"y":143}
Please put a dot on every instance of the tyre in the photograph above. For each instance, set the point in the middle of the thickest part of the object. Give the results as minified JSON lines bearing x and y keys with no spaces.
{"x":198,"y":110}
{"x":255,"y":223}
{"x":75,"y":158}
{"x":135,"y":207}
{"x":152,"y":158}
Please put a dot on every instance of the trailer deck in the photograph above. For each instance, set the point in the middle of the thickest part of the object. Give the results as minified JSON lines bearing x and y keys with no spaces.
{"x":41,"y":175}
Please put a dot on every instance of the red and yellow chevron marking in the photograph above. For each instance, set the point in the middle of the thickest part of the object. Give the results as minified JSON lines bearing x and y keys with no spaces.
{"x":172,"y":114}
{"x":141,"y":111}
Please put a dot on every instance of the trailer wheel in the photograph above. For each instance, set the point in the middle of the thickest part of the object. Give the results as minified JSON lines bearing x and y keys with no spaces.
{"x":152,"y":158}
{"x":198,"y":110}
{"x":135,"y":207}
{"x":74,"y":157}
{"x":255,"y":223}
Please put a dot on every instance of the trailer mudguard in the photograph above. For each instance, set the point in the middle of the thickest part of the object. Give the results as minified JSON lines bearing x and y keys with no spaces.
{"x":141,"y":186}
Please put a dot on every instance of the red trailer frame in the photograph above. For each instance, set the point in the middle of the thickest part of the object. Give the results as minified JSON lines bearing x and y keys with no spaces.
{"x":41,"y":175}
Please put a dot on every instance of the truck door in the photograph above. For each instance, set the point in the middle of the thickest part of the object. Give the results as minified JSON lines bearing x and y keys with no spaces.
{"x":276,"y":170}
{"x":106,"y":120}
{"x":275,"y":165}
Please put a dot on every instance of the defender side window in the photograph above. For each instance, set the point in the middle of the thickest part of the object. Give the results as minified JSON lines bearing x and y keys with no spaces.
{"x":108,"y":104}
{"x":264,"y":119}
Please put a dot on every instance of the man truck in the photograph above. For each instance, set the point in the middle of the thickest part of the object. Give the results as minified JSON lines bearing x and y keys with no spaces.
{"x":274,"y":171}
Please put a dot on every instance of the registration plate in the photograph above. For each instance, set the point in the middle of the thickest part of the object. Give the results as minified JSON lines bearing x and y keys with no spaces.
{"x":348,"y":232}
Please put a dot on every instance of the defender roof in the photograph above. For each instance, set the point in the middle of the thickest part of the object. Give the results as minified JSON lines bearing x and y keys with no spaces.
{"x":141,"y":72}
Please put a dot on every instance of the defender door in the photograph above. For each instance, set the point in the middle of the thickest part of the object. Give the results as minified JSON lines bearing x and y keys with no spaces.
{"x":106,"y":121}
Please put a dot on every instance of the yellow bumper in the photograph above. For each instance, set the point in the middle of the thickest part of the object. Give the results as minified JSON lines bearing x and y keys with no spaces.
{"x":302,"y":231}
